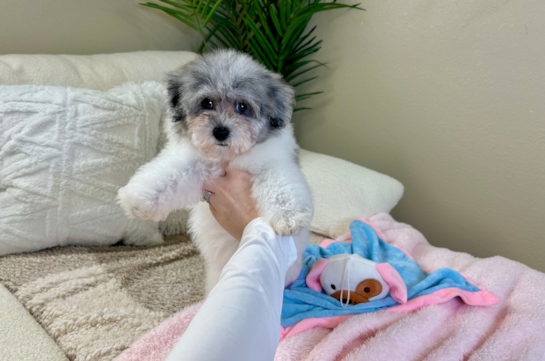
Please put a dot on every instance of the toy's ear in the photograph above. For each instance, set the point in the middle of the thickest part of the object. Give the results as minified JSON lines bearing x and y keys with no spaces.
{"x":313,"y":277}
{"x":398,"y":289}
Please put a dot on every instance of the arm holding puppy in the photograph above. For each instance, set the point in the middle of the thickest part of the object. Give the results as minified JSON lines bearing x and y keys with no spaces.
{"x":229,"y":326}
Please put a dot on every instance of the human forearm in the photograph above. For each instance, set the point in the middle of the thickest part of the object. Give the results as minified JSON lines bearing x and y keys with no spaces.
{"x":240,"y":320}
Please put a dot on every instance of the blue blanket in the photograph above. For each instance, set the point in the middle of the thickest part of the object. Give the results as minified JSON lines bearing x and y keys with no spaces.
{"x":300,"y":302}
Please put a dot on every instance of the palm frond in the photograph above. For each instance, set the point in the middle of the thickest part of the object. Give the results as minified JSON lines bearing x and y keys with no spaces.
{"x":274,"y":32}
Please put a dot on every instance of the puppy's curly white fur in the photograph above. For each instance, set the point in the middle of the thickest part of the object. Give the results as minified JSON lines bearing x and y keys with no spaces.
{"x":226,"y":109}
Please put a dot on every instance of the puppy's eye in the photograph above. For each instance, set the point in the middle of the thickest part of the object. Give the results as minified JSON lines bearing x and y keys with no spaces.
{"x":333,"y":286}
{"x":242,"y":108}
{"x":207,"y":104}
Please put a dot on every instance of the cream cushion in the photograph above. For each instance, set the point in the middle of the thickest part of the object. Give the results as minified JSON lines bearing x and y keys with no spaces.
{"x":98,"y":72}
{"x":344,"y":191}
{"x":21,"y":337}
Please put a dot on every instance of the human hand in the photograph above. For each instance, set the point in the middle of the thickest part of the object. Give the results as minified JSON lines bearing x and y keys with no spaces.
{"x":231,"y":201}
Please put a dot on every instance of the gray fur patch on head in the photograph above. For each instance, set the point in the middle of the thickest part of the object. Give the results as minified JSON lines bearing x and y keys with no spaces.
{"x":228,"y":89}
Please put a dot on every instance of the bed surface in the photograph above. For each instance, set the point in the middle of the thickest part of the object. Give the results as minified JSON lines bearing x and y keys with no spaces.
{"x":95,"y":302}
{"x":513,"y":329}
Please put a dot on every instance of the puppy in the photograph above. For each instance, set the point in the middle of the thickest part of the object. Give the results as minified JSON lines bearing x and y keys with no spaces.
{"x":226,"y":109}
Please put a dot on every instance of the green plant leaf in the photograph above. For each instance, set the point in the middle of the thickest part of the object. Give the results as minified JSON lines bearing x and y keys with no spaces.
{"x":268,"y":31}
{"x":282,"y":11}
{"x":293,"y":76}
{"x":207,"y":39}
{"x":275,"y":19}
{"x":211,"y":12}
{"x":227,"y":38}
{"x":304,"y":81}
{"x":304,"y":37}
{"x":301,"y":53}
{"x":178,"y":5}
{"x":265,"y":45}
{"x":204,"y":11}
{"x":257,"y":51}
{"x":169,"y":11}
{"x":197,"y":9}
{"x":300,"y":97}
{"x":307,"y":45}
{"x":186,"y":19}
{"x":295,"y":32}
{"x":289,"y":69}
{"x":274,"y":32}
{"x":297,"y":24}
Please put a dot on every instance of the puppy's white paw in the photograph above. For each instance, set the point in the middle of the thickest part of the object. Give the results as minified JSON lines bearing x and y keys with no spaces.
{"x":140,"y":205}
{"x":289,"y":223}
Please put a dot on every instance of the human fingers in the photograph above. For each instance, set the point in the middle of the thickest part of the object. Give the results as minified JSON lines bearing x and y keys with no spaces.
{"x":238,"y":174}
{"x":213,"y":210}
{"x":214,"y":201}
{"x":228,"y":177}
{"x":217,"y":185}
{"x":210,"y":185}
{"x":205,"y":197}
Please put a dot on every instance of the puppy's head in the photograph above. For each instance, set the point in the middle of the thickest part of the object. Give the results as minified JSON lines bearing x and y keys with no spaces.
{"x":226,"y":102}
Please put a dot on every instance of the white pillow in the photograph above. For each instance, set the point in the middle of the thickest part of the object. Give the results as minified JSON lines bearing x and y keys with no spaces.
{"x":64,"y":153}
{"x":99,"y":72}
{"x":343,"y":191}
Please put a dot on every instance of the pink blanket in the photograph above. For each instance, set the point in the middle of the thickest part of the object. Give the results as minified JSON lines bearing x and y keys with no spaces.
{"x":514,"y":329}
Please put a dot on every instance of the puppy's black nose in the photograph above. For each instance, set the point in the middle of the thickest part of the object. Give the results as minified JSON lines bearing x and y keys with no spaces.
{"x":221,"y":133}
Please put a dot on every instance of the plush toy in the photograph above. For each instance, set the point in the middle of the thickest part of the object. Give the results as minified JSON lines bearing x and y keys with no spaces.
{"x":350,"y":278}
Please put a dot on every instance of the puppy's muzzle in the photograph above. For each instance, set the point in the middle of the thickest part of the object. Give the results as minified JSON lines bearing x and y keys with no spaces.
{"x":221,"y":133}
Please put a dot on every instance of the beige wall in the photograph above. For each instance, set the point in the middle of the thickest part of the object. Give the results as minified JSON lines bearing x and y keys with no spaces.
{"x":88,"y":27}
{"x":449,"y":98}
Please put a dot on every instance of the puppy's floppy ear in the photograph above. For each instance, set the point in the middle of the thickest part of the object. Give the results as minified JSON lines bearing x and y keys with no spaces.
{"x":281,"y":101}
{"x":174,"y":87}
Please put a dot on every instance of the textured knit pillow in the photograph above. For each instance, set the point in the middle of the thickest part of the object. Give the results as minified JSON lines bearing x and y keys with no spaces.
{"x":64,"y":153}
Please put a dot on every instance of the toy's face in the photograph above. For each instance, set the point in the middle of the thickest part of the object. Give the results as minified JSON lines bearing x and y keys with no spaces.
{"x":354,"y":278}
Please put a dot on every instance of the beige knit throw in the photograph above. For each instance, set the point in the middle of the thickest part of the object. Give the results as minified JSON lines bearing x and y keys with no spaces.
{"x":96,"y":301}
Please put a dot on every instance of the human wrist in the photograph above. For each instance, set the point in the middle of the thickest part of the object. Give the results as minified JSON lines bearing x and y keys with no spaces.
{"x":251,"y":226}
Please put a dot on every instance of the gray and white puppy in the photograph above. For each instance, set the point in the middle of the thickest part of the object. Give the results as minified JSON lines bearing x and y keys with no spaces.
{"x":227,"y":111}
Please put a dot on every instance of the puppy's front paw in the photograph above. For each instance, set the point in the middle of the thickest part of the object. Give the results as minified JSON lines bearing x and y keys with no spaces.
{"x":140,"y":205}
{"x":289,"y":223}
